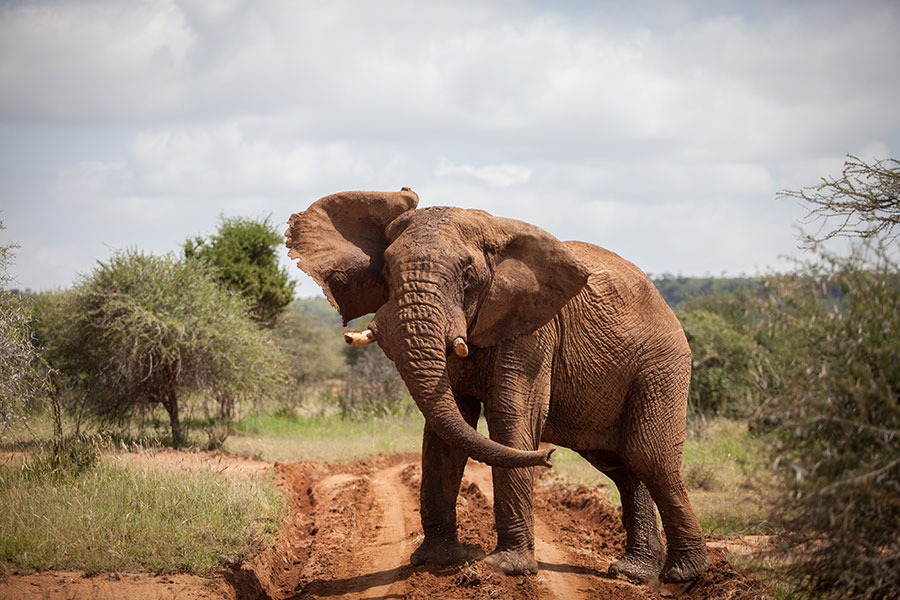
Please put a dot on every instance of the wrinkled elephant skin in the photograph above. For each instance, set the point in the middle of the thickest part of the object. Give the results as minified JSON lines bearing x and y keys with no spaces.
{"x":561,"y":342}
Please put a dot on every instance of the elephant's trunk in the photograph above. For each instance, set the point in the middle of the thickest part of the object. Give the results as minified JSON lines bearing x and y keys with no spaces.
{"x":422,"y":362}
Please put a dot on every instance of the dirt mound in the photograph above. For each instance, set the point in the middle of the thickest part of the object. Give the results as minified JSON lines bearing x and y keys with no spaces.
{"x":353,"y":525}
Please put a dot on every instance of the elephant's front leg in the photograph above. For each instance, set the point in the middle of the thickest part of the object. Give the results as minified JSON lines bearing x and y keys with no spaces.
{"x":515,"y":417}
{"x":442,"y":469}
{"x":513,"y":494}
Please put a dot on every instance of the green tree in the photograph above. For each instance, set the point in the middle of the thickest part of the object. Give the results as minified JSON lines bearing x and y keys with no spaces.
{"x":243,"y":254}
{"x":147,"y":329}
{"x":679,"y":292}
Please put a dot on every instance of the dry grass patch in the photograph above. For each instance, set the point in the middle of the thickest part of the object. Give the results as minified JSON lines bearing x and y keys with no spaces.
{"x":100,"y":516}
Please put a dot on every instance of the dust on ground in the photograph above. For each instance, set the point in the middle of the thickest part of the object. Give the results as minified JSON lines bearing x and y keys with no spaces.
{"x":352,"y":526}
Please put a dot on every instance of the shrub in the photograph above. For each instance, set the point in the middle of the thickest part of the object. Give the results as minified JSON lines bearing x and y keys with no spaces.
{"x":372,"y":385}
{"x":310,"y":340}
{"x":836,"y":403}
{"x":727,"y":365}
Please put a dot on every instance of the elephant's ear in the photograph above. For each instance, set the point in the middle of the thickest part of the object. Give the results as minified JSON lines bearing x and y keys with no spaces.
{"x":340,"y":243}
{"x":534,"y":276}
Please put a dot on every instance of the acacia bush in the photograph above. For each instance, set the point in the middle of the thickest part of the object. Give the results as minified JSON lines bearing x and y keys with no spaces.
{"x":23,"y":378}
{"x":836,"y":392}
{"x":836,"y":431}
{"x":144,"y":330}
{"x":23,"y":383}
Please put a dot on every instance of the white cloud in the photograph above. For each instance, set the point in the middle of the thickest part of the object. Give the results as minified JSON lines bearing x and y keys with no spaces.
{"x":207,"y":163}
{"x":503,"y":175}
{"x":91,"y":61}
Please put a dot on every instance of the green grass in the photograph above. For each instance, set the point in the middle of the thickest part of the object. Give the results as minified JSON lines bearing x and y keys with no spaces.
{"x":723,"y":471}
{"x":110,"y":517}
{"x":324,"y":438}
{"x":729,"y":485}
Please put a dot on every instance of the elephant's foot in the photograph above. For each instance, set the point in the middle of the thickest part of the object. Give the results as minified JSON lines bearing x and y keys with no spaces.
{"x":640,"y":568}
{"x":439,"y":552}
{"x":685,"y":565}
{"x":513,"y":562}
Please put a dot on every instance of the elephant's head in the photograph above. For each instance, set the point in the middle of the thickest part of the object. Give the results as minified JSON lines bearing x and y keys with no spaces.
{"x":438,"y":280}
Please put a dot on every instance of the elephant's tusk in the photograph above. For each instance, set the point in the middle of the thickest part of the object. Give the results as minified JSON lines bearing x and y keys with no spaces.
{"x":460,"y":348}
{"x":359,"y":338}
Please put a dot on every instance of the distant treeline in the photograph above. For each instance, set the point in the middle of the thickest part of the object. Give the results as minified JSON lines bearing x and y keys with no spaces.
{"x":677,"y":289}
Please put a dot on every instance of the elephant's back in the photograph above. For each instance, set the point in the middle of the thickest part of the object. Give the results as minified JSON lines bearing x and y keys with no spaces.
{"x":600,"y":259}
{"x":625,"y":297}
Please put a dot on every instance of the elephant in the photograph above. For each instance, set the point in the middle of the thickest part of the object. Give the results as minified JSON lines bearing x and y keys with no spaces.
{"x":560,"y":342}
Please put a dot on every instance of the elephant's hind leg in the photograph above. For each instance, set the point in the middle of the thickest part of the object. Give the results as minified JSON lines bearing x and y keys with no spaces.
{"x":644,"y":550}
{"x":686,"y":557}
{"x":442,"y":470}
{"x":654,"y":453}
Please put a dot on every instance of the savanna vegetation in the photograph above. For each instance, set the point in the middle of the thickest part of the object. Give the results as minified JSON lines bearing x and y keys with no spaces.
{"x":794,"y":409}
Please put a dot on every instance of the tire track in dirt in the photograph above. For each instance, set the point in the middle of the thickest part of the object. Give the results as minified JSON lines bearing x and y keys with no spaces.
{"x":357,"y":518}
{"x":390,"y":550}
{"x":358,"y":523}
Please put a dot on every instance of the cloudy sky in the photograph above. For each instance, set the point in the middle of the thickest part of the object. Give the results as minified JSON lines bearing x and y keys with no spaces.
{"x":659,"y":130}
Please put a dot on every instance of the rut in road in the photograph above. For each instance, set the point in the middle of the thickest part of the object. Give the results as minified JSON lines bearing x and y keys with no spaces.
{"x":387,"y":554}
{"x":378,"y":565}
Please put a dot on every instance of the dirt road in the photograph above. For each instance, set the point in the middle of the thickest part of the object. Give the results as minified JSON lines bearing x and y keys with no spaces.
{"x":353,"y":525}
